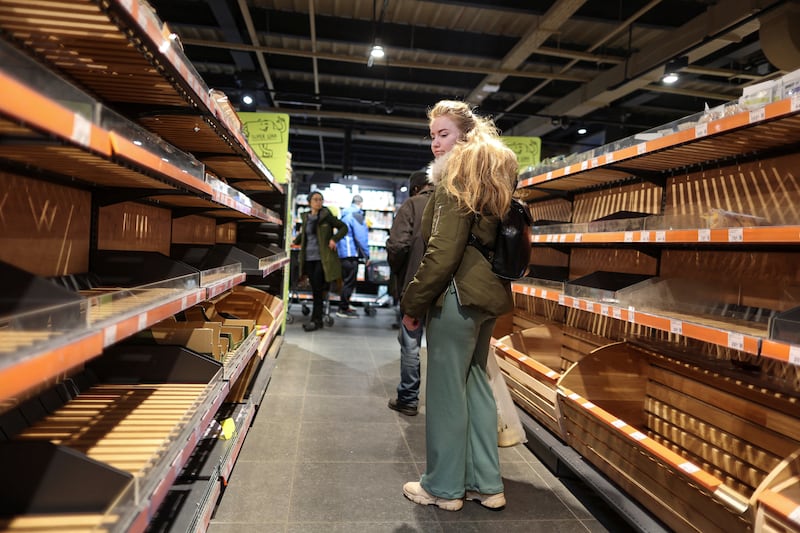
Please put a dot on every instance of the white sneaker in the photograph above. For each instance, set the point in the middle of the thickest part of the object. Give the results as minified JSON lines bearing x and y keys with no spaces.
{"x":414,"y":492}
{"x":490,"y":501}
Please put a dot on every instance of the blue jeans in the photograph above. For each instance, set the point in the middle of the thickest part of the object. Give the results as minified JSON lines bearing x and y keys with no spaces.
{"x":410,"y":343}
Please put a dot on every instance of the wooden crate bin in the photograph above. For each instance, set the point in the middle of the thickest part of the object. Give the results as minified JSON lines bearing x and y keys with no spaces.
{"x":533,"y":361}
{"x":691,"y":443}
{"x":778,"y":507}
{"x":246,"y":303}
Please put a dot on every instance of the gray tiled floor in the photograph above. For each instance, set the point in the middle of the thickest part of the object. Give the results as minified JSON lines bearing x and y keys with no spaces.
{"x":325,"y":454}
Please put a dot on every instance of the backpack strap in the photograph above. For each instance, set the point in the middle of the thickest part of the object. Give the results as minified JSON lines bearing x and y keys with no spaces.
{"x":482,"y":248}
{"x":473,"y":241}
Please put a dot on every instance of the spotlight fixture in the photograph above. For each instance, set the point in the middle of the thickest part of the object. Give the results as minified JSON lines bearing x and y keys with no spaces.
{"x":376,"y":52}
{"x":582,"y":131}
{"x":247,"y":99}
{"x":672,"y":68}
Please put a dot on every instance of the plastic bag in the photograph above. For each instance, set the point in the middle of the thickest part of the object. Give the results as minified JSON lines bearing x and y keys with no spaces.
{"x":509,"y":427}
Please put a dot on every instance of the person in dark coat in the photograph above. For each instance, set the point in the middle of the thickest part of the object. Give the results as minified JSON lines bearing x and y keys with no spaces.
{"x":405,"y":249}
{"x":318,"y":235}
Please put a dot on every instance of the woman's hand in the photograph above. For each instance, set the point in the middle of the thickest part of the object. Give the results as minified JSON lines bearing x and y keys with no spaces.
{"x":411,"y":323}
{"x":332,"y":244}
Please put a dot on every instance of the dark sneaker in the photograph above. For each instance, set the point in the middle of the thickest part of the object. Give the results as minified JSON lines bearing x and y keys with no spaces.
{"x":312,"y":326}
{"x":349,"y":313}
{"x":403,"y":408}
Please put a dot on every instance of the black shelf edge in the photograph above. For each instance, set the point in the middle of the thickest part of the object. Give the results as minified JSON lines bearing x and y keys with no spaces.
{"x":562,"y":460}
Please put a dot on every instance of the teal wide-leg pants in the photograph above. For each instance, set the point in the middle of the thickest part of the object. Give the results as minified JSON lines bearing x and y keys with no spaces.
{"x":460,"y":412}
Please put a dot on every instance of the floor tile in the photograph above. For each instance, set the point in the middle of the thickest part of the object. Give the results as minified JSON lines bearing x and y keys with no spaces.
{"x":374,"y":443}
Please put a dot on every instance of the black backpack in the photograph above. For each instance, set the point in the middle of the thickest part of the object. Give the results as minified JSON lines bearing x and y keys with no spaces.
{"x":511,"y":255}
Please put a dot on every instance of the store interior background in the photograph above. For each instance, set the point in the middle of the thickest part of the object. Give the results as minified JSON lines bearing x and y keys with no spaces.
{"x":579,"y":74}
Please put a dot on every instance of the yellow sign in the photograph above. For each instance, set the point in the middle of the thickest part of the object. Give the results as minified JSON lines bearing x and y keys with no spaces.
{"x":268,"y":134}
{"x":528,"y":150}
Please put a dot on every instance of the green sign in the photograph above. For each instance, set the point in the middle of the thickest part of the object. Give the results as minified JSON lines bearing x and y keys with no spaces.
{"x":528,"y":150}
{"x":268,"y":134}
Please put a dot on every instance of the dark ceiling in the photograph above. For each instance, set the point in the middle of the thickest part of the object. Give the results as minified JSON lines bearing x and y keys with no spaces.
{"x":557,"y":65}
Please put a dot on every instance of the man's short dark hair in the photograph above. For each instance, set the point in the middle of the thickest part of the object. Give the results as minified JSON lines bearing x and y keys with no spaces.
{"x":417,"y":181}
{"x":357,"y":199}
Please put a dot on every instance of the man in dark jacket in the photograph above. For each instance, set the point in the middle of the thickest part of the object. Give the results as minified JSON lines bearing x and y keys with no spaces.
{"x":405,"y":249}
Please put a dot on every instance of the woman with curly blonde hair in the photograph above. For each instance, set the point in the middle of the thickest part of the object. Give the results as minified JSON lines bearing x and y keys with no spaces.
{"x":456,"y":291}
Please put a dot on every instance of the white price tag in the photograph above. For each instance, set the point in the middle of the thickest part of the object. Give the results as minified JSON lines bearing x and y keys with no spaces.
{"x":735,"y":235}
{"x":794,"y":355}
{"x":584,"y":165}
{"x":676,"y":326}
{"x":594,"y":162}
{"x":142,"y":321}
{"x":616,"y":313}
{"x":81,"y":130}
{"x":567,"y":169}
{"x":576,"y":303}
{"x":604,"y":310}
{"x":544,"y":293}
{"x":757,"y":115}
{"x":610,"y":157}
{"x":628,"y":236}
{"x":704,"y":235}
{"x":795,"y":105}
{"x":661,"y":236}
{"x":110,"y":335}
{"x":549,"y":175}
{"x":644,"y":236}
{"x":562,"y":237}
{"x":184,"y":302}
{"x":578,"y":237}
{"x":638,"y":435}
{"x":550,"y":237}
{"x":631,"y":314}
{"x":735,"y":340}
{"x":701,"y":130}
{"x":560,"y":299}
{"x":536,"y":238}
{"x":641,"y":148}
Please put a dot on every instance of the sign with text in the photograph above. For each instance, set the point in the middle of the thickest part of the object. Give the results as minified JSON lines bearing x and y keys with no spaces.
{"x":268,"y":134}
{"x":528,"y":150}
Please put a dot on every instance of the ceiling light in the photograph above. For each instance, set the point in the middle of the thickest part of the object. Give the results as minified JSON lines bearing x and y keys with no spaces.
{"x":247,"y":99}
{"x":672,"y":68}
{"x":582,"y":131}
{"x":670,"y":78}
{"x":491,"y":87}
{"x":377,"y":52}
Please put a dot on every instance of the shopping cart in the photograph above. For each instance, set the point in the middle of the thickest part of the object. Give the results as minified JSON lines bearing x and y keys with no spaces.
{"x":376,"y":282}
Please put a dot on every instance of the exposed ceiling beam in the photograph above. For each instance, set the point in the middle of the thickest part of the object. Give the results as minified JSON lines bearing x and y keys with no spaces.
{"x":262,"y":63}
{"x":583,"y":56}
{"x":359,"y":117}
{"x":718,"y":26}
{"x":549,"y":23}
{"x":689,"y":92}
{"x":504,"y":72}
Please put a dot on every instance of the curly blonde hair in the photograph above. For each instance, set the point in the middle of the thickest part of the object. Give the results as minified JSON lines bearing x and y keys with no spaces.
{"x":481,"y":171}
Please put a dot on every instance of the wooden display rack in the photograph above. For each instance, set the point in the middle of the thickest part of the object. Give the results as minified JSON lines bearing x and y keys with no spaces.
{"x":682,"y":438}
{"x":93,"y":203}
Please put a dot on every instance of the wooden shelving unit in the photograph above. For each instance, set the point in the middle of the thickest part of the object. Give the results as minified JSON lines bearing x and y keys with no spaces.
{"x":113,"y":152}
{"x":709,"y":209}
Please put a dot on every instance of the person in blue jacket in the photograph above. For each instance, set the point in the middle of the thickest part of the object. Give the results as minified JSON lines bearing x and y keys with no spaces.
{"x":353,"y":246}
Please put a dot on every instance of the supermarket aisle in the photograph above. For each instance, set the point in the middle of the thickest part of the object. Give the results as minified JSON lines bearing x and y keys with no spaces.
{"x":325,"y":454}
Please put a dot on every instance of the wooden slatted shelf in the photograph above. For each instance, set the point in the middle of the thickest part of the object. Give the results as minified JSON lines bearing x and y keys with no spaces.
{"x":749,"y":235}
{"x":122,"y":53}
{"x":751,"y":340}
{"x":775,"y":125}
{"x":88,"y":153}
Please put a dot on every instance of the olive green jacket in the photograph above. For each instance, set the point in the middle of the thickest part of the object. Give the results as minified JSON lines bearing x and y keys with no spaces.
{"x":448,"y":257}
{"x":325,"y":226}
